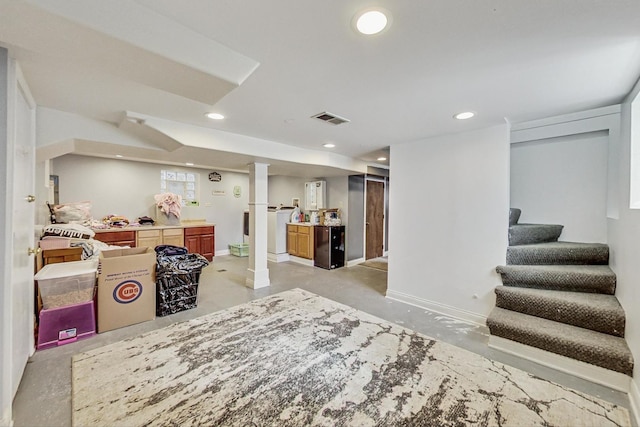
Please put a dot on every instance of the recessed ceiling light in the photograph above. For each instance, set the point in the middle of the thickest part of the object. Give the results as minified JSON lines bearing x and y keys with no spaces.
{"x":119,"y":156}
{"x":215,"y":116}
{"x":329,"y":145}
{"x":382,"y":159}
{"x":371,"y":22}
{"x":465,"y":115}
{"x":189,"y":164}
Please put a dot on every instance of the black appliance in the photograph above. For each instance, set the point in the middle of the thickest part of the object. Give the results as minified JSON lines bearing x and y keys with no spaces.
{"x":329,"y":246}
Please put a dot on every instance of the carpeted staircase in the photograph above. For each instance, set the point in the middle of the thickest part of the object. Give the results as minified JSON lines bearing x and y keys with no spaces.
{"x":559,"y":297}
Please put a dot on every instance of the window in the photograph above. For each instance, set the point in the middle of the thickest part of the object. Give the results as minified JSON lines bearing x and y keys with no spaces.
{"x":184,"y":184}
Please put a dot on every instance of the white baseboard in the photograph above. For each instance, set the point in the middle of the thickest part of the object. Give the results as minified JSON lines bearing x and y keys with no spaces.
{"x":355,"y":262}
{"x":6,"y":418}
{"x":303,"y":261}
{"x":583,"y":370}
{"x":634,"y":401}
{"x":456,"y":313}
{"x":278,"y":257}
{"x":222,"y":252}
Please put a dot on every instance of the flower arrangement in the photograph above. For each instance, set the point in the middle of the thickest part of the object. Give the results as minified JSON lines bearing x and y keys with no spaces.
{"x":169,"y":203}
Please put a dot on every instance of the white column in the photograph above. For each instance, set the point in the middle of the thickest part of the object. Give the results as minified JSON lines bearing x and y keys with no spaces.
{"x":258,"y":273}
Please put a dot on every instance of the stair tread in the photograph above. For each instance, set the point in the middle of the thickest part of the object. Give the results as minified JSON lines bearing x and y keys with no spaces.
{"x":531,"y":225}
{"x":558,"y":253}
{"x":597,"y":348}
{"x":598,"y":312}
{"x":602,"y":302}
{"x":560,"y":244}
{"x":596,"y":270}
{"x":523,"y":234}
{"x":578,"y":278}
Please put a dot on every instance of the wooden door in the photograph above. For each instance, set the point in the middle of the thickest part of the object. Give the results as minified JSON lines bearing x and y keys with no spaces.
{"x":374,"y":219}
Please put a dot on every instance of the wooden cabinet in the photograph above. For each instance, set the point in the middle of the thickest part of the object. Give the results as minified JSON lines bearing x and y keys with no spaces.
{"x":292,"y":239}
{"x":148,"y":238}
{"x":300,"y":240}
{"x":200,"y":240}
{"x":154,"y":237}
{"x":173,"y":236}
{"x":53,"y":256}
{"x":118,"y":238}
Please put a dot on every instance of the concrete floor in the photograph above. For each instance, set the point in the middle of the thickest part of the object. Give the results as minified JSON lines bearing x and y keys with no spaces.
{"x":44,"y":395}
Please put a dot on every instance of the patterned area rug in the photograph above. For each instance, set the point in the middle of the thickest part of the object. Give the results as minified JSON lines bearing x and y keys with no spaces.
{"x":295,"y":359}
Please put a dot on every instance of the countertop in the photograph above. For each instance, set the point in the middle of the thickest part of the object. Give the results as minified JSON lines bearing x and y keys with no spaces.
{"x":186,"y":224}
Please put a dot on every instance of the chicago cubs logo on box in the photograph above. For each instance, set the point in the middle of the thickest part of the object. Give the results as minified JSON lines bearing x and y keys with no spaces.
{"x":127,"y":291}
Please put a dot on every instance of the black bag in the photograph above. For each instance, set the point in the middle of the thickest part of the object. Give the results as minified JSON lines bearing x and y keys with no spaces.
{"x":170,"y":250}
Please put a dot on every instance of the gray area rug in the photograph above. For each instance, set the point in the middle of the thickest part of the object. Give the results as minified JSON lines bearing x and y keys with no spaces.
{"x":295,"y":359}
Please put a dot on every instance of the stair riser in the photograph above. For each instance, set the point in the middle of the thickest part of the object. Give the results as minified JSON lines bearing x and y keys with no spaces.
{"x":584,"y":354}
{"x":567,"y":313}
{"x":514,"y":216}
{"x":517,"y":256}
{"x":531,"y":234}
{"x":575,"y":283}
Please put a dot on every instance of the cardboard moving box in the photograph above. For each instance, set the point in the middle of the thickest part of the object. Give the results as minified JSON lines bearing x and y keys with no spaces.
{"x":126,"y":287}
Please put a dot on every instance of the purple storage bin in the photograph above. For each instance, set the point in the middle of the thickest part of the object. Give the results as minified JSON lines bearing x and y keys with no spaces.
{"x":64,"y":325}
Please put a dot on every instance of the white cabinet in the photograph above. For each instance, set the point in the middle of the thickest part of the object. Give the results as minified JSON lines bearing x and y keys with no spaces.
{"x":315,"y":195}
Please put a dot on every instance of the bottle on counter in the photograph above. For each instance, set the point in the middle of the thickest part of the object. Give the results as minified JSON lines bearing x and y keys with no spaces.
{"x":295,"y":215}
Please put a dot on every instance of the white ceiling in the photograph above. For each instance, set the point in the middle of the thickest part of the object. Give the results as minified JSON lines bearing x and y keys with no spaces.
{"x":270,"y":65}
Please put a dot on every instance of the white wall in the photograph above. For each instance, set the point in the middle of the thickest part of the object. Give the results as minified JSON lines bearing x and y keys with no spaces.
{"x":127,"y":188}
{"x":449,"y":200}
{"x":284,"y":188}
{"x":563,"y":181}
{"x":338,"y":195}
{"x":624,"y":243}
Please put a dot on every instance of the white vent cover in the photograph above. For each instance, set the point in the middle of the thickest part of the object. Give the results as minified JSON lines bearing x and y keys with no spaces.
{"x":330,"y":118}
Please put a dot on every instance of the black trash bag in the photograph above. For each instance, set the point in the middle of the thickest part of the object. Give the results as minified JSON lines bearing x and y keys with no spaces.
{"x":177,"y":279}
{"x":170,"y":250}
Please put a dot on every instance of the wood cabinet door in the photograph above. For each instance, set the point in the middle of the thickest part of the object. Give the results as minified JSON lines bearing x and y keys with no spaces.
{"x":175,"y":240}
{"x":304,"y":243}
{"x":118,"y":238}
{"x":207,"y":246}
{"x":193,"y":244}
{"x":150,"y":242}
{"x":148,"y":238}
{"x":292,"y":242}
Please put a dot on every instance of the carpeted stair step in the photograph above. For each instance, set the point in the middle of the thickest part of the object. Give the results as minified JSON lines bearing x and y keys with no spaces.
{"x":588,"y":346}
{"x":578,"y":278}
{"x":598,"y":312}
{"x":514,"y":216}
{"x":567,"y":253}
{"x":526,"y":234}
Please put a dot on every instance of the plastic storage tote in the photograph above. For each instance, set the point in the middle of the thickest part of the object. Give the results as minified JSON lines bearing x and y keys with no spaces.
{"x":239,"y":249}
{"x":67,"y":283}
{"x":64,"y":325}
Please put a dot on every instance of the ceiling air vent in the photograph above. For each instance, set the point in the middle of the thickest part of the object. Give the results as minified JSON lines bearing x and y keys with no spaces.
{"x":330,"y":118}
